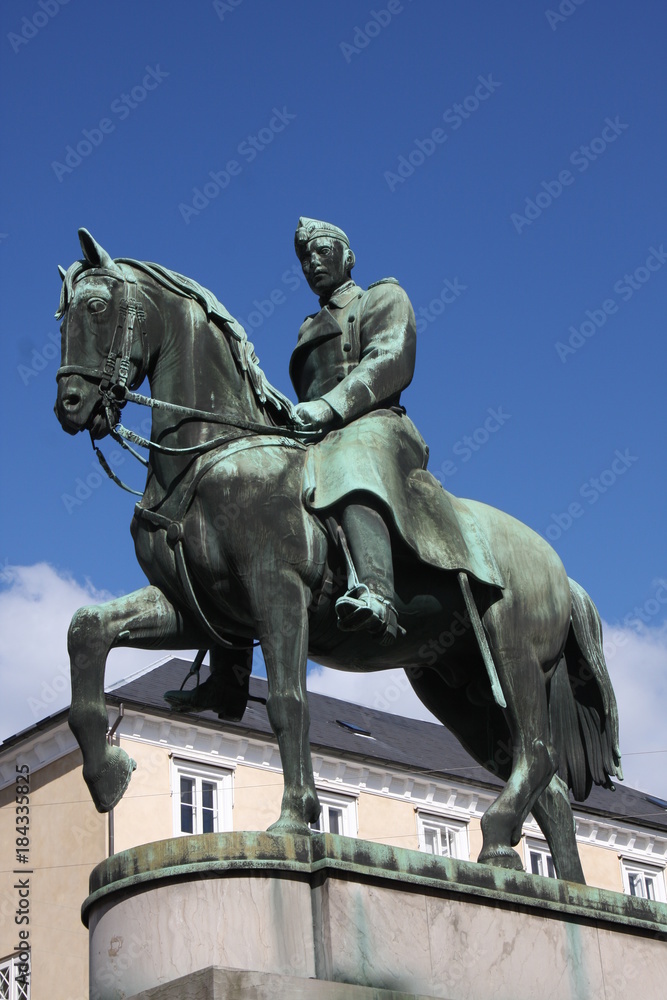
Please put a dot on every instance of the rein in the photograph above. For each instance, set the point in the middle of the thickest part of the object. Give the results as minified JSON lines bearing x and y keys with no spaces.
{"x":115,"y":392}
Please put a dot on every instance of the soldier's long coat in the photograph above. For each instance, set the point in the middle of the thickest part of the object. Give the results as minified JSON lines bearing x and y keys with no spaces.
{"x":358,"y":354}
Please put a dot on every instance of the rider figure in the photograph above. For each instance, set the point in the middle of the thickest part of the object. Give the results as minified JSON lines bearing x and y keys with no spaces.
{"x":352,"y":360}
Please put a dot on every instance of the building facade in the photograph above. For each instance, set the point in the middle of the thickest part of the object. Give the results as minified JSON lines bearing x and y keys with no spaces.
{"x":380,"y":777}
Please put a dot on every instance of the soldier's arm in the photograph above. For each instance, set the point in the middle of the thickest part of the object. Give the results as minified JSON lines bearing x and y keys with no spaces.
{"x":387,"y":356}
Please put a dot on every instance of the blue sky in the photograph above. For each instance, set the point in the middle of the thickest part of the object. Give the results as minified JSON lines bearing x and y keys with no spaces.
{"x":503,"y":161}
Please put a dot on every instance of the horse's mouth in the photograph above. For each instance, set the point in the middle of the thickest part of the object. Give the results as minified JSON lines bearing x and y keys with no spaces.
{"x":99,"y":426}
{"x":96,"y":423}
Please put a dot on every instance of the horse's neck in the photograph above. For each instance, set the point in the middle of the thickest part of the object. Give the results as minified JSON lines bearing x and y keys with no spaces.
{"x":194,"y":367}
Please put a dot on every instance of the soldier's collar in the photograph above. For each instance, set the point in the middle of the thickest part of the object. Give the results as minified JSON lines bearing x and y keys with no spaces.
{"x":342,"y":295}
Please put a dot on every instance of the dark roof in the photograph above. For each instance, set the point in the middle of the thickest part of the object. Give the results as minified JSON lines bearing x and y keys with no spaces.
{"x":424,"y":748}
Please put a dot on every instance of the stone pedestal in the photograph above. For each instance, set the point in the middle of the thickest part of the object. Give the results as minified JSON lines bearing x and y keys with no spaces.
{"x":244,"y":915}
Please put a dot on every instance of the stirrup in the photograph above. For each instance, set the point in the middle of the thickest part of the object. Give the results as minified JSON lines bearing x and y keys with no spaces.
{"x":361,"y":609}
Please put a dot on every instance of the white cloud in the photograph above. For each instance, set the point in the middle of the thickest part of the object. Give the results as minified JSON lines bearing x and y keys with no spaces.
{"x":637,"y":662}
{"x":36,"y":606}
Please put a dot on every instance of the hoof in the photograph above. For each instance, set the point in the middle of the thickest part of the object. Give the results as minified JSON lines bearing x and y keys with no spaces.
{"x":295,"y":827}
{"x":108,"y":786}
{"x":502,"y":857}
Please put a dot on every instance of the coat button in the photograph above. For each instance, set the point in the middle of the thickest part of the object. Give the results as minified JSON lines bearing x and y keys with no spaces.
{"x":340,"y":377}
{"x":347,"y":347}
{"x":351,"y":318}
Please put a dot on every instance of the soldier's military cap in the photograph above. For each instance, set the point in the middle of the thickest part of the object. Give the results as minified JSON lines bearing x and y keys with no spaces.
{"x":310,"y":229}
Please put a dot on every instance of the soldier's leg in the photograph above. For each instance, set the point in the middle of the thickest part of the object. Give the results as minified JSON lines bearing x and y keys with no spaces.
{"x":369,"y":606}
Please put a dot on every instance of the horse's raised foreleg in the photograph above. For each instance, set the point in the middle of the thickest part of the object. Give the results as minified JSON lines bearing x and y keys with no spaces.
{"x":282,"y":626}
{"x":144,"y":618}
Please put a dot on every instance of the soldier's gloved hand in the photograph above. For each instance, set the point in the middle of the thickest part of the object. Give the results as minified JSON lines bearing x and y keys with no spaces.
{"x":316,"y":416}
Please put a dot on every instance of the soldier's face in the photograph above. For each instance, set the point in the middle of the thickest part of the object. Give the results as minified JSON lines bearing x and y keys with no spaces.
{"x":324,"y":265}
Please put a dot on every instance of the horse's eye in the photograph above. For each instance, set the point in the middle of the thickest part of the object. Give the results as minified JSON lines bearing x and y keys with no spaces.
{"x":97,"y":305}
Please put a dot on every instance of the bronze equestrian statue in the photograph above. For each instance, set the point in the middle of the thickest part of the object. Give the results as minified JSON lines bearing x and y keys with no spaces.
{"x":348,"y":550}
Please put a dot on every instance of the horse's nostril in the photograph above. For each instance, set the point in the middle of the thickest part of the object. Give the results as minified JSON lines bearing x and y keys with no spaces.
{"x":71,"y":400}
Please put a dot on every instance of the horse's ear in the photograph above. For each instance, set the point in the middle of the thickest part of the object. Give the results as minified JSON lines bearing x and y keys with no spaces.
{"x":62,"y":272}
{"x":93,"y":252}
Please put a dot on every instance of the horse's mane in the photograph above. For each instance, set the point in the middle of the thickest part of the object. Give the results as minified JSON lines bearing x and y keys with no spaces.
{"x":242,"y":349}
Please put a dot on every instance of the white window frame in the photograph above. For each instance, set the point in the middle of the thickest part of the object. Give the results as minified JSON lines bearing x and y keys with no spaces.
{"x":631,"y":869}
{"x":343,"y":805}
{"x":533,"y":845}
{"x":221,"y":778}
{"x":448,"y":830}
{"x":16,"y":991}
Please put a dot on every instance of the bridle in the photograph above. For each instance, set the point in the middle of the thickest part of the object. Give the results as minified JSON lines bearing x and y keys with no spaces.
{"x":115,"y":392}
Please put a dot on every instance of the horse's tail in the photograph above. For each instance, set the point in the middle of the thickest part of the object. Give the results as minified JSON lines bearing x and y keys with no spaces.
{"x":582,"y":705}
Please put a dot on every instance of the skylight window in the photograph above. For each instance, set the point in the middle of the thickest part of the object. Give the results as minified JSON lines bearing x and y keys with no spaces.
{"x":357,"y":730}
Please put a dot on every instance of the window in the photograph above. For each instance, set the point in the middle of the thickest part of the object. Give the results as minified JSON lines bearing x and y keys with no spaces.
{"x":202,"y":798}
{"x":645,"y":881}
{"x":339,"y":815}
{"x":443,"y":836}
{"x":538,"y":859}
{"x":14,"y":979}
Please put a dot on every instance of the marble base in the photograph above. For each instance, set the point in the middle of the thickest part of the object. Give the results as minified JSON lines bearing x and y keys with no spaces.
{"x":327,"y":916}
{"x":232,"y":984}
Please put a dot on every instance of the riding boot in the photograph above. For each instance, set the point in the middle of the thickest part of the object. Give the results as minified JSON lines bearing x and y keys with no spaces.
{"x":225,"y":691}
{"x":368,"y":605}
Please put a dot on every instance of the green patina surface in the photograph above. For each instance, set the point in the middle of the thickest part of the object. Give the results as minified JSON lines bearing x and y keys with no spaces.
{"x":325,"y":855}
{"x":506,"y":651}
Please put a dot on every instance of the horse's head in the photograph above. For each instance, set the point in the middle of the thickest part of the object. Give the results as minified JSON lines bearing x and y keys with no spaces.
{"x":101,"y":343}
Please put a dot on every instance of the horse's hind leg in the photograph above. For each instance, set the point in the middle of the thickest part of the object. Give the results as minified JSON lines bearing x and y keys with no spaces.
{"x":553,"y":812}
{"x":534,"y":760}
{"x":142,"y":619}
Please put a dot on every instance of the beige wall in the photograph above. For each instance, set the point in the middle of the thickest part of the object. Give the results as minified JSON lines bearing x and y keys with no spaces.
{"x":68,"y":838}
{"x":387,"y":821}
{"x":257,"y":797}
{"x":475,"y":837}
{"x":144,"y":813}
{"x":601,"y":867}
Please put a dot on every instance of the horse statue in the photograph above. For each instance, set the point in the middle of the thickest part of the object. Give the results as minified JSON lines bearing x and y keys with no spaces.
{"x":235,"y":555}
